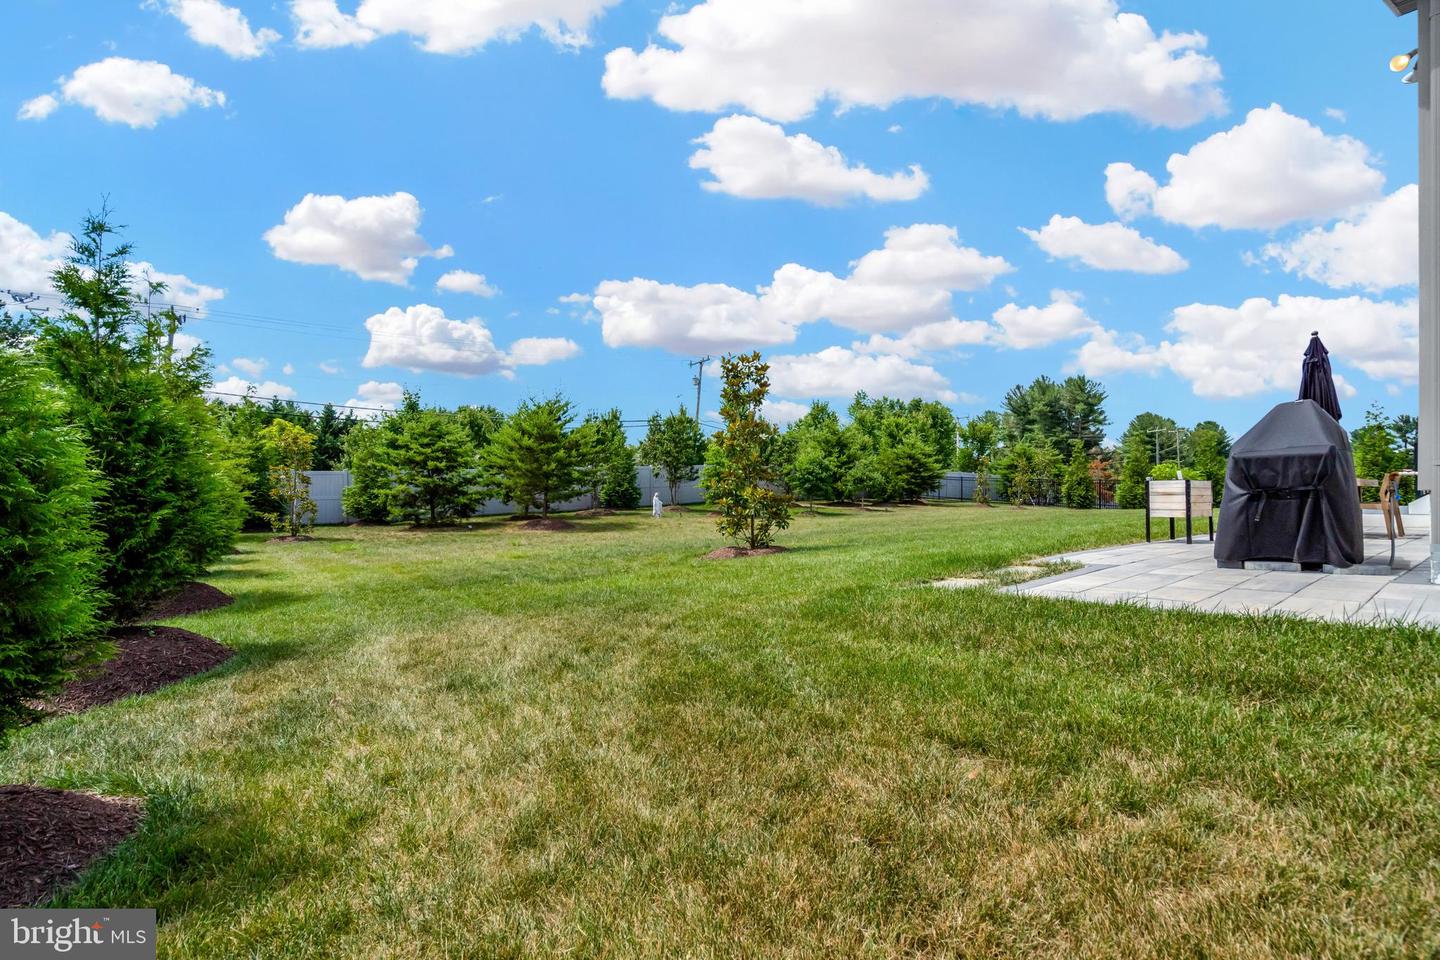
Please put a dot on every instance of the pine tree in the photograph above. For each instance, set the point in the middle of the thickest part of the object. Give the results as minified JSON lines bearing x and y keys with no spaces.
{"x":532,"y":459}
{"x":434,"y":472}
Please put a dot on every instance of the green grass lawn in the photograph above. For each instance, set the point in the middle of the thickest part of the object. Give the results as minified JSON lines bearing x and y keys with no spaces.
{"x":497,"y":743}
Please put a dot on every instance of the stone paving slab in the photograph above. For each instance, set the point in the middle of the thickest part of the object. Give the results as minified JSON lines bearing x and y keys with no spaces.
{"x":1176,"y":575}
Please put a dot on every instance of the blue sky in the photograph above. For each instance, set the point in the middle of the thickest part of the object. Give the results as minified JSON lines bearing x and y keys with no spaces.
{"x":317,"y":162}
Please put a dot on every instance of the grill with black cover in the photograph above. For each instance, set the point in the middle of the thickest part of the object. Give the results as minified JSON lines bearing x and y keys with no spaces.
{"x":1290,"y":492}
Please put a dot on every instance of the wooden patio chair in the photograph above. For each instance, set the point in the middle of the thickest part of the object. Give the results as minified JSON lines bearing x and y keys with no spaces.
{"x":1389,"y":507}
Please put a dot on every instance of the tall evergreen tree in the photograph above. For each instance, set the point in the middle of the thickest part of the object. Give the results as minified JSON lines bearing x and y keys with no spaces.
{"x":49,"y":566}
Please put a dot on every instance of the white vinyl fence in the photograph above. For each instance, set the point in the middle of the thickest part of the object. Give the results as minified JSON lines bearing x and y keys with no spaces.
{"x":326,"y":486}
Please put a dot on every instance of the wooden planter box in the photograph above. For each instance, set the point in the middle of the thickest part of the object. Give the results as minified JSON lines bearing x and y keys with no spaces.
{"x":1187,"y":500}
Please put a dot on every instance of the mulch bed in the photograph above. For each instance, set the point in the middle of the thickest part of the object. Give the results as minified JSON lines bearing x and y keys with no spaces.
{"x":735,"y":553}
{"x":596,"y":512}
{"x":548,"y":523}
{"x":48,"y":836}
{"x":146,"y":659}
{"x":194,"y":597}
{"x":300,"y":539}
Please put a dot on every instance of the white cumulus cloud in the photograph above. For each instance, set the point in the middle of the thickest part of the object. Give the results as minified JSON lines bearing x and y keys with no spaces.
{"x":748,"y":157}
{"x":27,"y":258}
{"x":1105,"y":246}
{"x":1023,"y":328}
{"x":1377,"y":250}
{"x":422,"y":337}
{"x":1270,"y":170}
{"x":233,"y":389}
{"x":445,"y":26}
{"x":214,"y":24}
{"x":376,"y":394}
{"x":463,"y":281}
{"x":937,"y":337}
{"x":250,"y":367}
{"x":838,"y":372}
{"x":1059,"y":59}
{"x":907,"y":283}
{"x":375,"y":238}
{"x":1256,"y":347}
{"x":38,"y":108}
{"x":139,"y":93}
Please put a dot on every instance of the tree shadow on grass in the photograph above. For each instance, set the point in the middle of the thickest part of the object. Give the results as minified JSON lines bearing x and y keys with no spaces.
{"x":260,"y":601}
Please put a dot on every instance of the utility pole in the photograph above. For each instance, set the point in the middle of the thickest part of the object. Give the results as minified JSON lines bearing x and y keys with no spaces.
{"x":698,"y":380}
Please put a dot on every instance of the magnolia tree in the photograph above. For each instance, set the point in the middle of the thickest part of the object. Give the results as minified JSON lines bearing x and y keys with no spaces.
{"x":742,"y":483}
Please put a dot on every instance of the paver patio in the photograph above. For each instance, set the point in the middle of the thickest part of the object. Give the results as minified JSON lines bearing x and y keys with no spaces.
{"x":1174,"y":574}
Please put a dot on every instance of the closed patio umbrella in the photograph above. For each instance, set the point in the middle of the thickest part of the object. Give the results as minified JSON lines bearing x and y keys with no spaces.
{"x":1316,"y":381}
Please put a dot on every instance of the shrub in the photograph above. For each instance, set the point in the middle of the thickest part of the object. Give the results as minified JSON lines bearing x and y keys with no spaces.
{"x":48,"y":563}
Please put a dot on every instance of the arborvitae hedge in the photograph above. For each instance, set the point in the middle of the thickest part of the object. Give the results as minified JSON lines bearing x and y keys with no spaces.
{"x":48,"y":557}
{"x":167,"y":511}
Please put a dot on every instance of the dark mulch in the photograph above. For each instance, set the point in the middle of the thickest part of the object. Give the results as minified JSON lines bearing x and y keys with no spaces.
{"x":48,"y":836}
{"x":194,"y":597}
{"x":548,"y":523}
{"x":596,"y":512}
{"x":439,"y":528}
{"x":300,"y":539}
{"x":735,"y":553}
{"x":146,"y":659}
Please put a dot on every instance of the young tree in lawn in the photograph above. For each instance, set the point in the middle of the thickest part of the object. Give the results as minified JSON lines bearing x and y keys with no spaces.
{"x":982,"y":482}
{"x":979,"y":440}
{"x":619,"y":491}
{"x":812,"y":474}
{"x":533,"y":457}
{"x":48,"y":564}
{"x":434,"y":472}
{"x":589,"y":458}
{"x":675,"y":447}
{"x":292,"y":450}
{"x":1077,"y":489}
{"x":912,"y":467}
{"x":366,"y":457}
{"x":743,"y":488}
{"x":611,"y":465}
